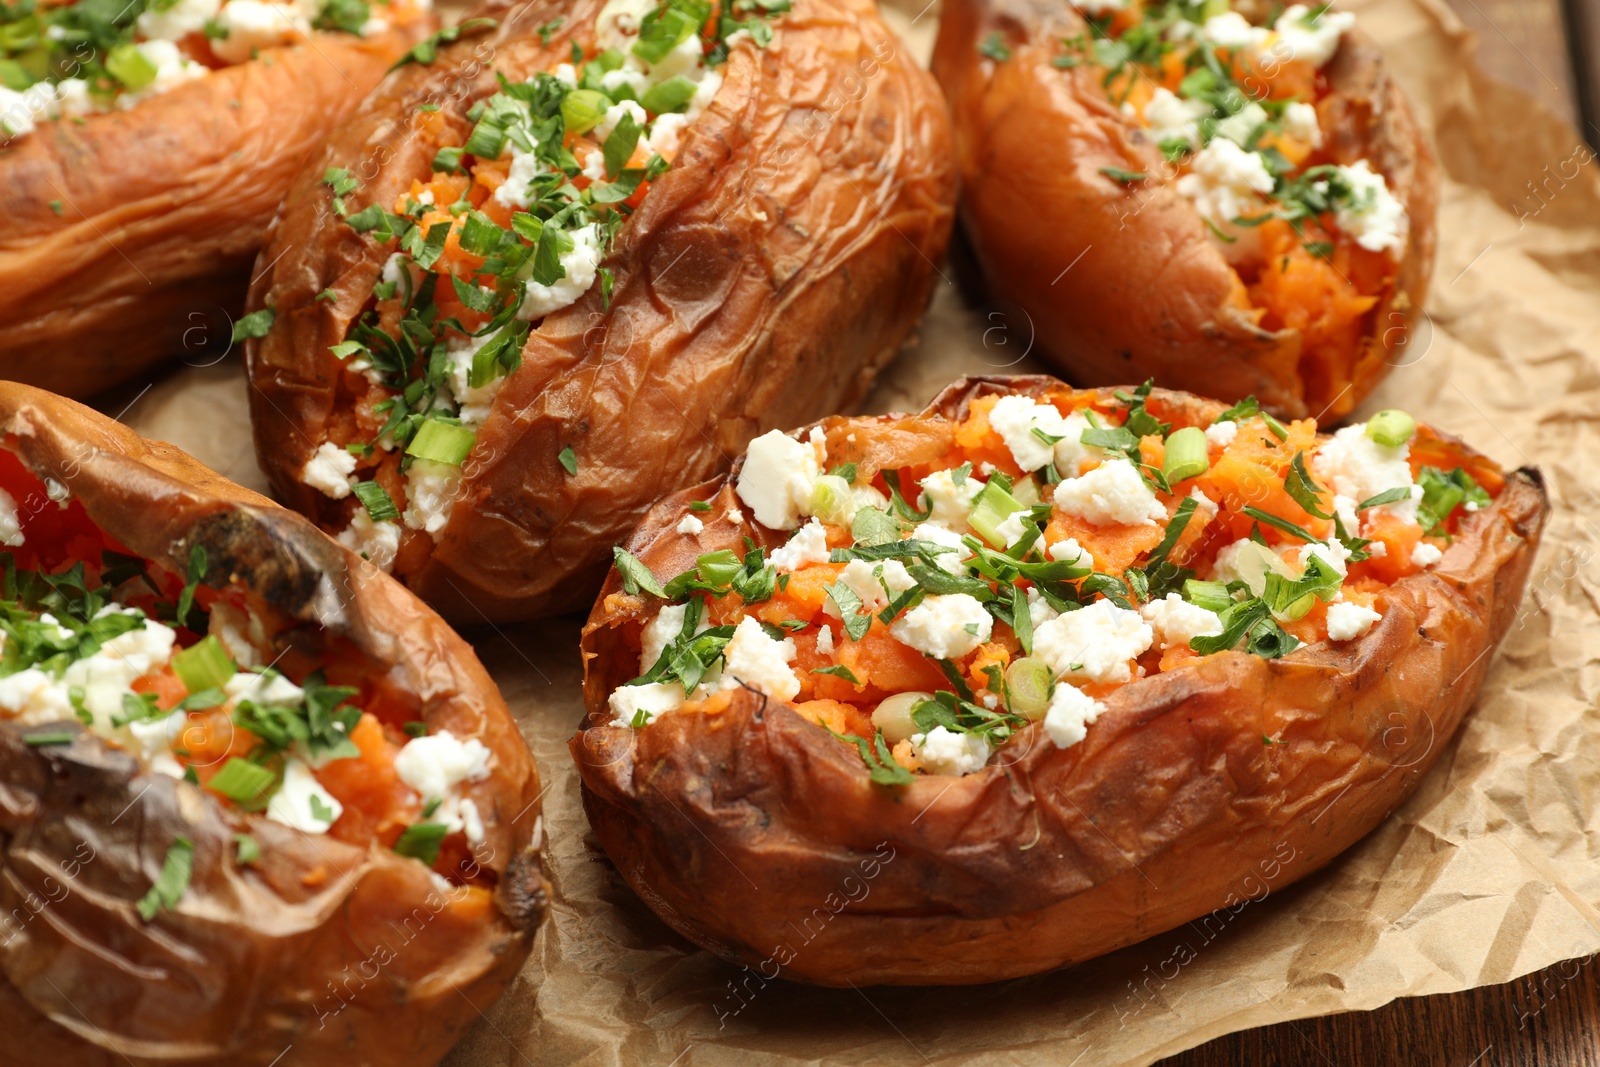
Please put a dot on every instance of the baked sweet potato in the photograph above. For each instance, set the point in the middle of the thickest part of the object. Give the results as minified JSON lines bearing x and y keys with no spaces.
{"x":1107,"y":162}
{"x":1146,"y":708}
{"x":202,"y":862}
{"x":668,"y":229}
{"x":137,"y":215}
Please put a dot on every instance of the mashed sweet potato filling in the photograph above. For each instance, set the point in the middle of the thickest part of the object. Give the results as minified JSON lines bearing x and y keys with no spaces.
{"x":1239,"y":112}
{"x":944,"y":584}
{"x":513,"y":224}
{"x":216,"y":687}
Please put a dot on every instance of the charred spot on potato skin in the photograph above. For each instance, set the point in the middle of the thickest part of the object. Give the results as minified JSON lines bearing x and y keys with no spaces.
{"x":257,"y":550}
{"x":524,"y":894}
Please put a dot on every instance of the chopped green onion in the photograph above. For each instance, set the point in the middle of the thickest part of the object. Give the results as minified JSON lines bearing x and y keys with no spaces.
{"x":255,"y":324}
{"x":994,"y":47}
{"x":1186,"y":455}
{"x":56,"y":737}
{"x":1213,"y":596}
{"x":990,"y":508}
{"x":380,"y":506}
{"x":1029,"y":685}
{"x":569,"y":460}
{"x":243,"y":782}
{"x":130,"y":66}
{"x":830,"y":500}
{"x":582,"y":109}
{"x":204,"y":665}
{"x":673,"y":94}
{"x":173,"y":881}
{"x":635,"y":575}
{"x":442,"y":442}
{"x":421,"y":841}
{"x":248,"y":851}
{"x":1391,"y":428}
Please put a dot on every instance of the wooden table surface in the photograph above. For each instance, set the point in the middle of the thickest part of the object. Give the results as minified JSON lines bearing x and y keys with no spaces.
{"x":1550,"y":1018}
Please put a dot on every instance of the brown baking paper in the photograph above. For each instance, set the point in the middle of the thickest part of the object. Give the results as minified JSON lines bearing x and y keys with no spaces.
{"x":1485,"y":875}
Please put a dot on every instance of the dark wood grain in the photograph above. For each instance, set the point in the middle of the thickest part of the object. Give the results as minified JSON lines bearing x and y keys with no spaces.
{"x":1547,"y":1019}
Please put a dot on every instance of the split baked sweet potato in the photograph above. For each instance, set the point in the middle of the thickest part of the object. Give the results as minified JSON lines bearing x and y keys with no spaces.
{"x":144,"y":149}
{"x":586,"y":254}
{"x":1125,"y":655}
{"x":1168,"y":190}
{"x":256,"y":796}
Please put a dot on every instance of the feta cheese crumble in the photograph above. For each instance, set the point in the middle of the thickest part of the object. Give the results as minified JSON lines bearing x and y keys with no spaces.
{"x":1071,"y":713}
{"x":1349,"y":621}
{"x":1426,"y":555}
{"x":1095,"y":643}
{"x":1176,"y":622}
{"x":1172,"y":118}
{"x":376,"y":542}
{"x":1372,"y":215}
{"x":1221,"y":434}
{"x":1358,"y":468}
{"x":10,"y":522}
{"x":808,"y":545}
{"x":329,"y":469}
{"x":760,"y":662}
{"x":1111,"y":494}
{"x":949,"y":504}
{"x":1227,"y":183}
{"x":945,"y":626}
{"x":1021,"y":422}
{"x":952,"y":752}
{"x":777,"y":480}
{"x":1313,"y":39}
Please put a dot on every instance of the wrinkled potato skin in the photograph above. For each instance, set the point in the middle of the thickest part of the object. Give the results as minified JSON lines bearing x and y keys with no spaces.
{"x":766,"y":279}
{"x":164,"y":207}
{"x":348,"y":954}
{"x":755,"y":834}
{"x":1151,"y":296}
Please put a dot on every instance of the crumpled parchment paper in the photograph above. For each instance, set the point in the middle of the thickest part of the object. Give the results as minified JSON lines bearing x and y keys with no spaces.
{"x":1485,"y":875}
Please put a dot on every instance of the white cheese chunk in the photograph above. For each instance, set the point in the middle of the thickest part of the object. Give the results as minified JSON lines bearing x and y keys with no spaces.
{"x":777,"y":480}
{"x":1111,"y":494}
{"x":1094,"y":643}
{"x":808,"y":545}
{"x":1020,"y":421}
{"x":1177,"y":622}
{"x":1356,"y":467}
{"x":377,"y":542}
{"x":944,"y":626}
{"x":756,"y":660}
{"x":949,"y":504}
{"x":654,"y":699}
{"x":1312,"y":39}
{"x":1071,"y":713}
{"x":292,"y":804}
{"x":1349,"y":621}
{"x":328,"y":470}
{"x":944,"y":751}
{"x":580,"y":267}
{"x":10,"y":521}
{"x":1370,"y":214}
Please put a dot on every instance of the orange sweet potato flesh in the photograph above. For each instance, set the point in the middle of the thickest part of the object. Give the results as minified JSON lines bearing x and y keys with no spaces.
{"x":162,"y":210}
{"x":735,"y":823}
{"x":1151,"y":296}
{"x":351,"y":955}
{"x":765,"y":280}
